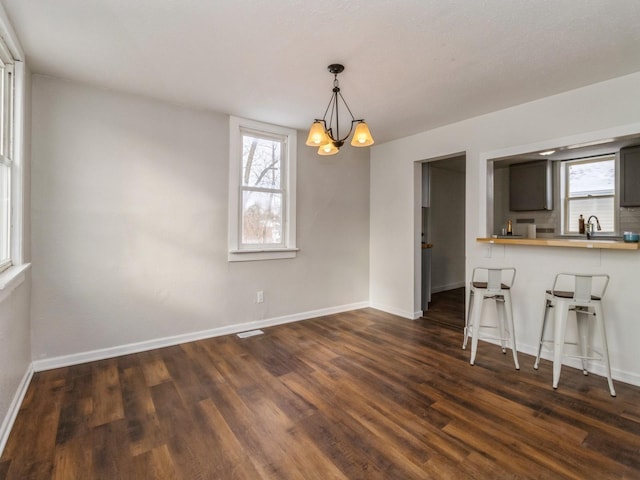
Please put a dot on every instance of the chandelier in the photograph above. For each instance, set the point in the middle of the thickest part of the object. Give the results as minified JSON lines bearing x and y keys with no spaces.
{"x":325,"y":133}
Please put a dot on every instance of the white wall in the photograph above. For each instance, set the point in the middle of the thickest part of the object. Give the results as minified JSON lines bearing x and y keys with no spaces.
{"x":129,"y":209}
{"x":15,"y":354}
{"x":598,"y":111}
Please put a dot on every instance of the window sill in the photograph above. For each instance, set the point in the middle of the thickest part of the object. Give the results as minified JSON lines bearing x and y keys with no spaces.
{"x":11,"y":278}
{"x":262,"y":254}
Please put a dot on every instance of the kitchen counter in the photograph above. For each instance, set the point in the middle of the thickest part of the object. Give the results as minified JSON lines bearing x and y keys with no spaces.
{"x":563,"y":242}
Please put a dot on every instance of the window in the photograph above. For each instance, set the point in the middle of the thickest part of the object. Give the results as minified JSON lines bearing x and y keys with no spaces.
{"x":262,"y":189}
{"x":262,"y":169}
{"x":12,"y":119}
{"x":589,"y":189}
{"x":7,"y":88}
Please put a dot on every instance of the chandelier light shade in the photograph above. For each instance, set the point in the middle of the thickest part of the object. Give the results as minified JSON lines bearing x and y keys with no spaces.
{"x":317,"y":135}
{"x":362,"y":136}
{"x":325,"y":132}
{"x":328,"y":149}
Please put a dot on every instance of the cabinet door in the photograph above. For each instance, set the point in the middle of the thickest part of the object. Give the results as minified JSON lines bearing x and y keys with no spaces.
{"x":630,"y":177}
{"x":530,"y":186}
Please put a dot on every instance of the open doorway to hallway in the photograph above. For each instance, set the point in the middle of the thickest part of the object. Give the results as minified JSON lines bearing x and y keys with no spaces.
{"x":447,"y":308}
{"x":443,"y":234}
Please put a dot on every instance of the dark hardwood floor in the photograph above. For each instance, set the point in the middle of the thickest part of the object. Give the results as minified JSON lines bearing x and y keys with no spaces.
{"x":357,"y":395}
{"x":447,"y":308}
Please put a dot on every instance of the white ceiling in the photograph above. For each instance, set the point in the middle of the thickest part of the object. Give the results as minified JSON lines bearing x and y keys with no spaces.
{"x":411,"y":65}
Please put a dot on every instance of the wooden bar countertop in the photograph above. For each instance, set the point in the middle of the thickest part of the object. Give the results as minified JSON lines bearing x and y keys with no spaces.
{"x":562,"y":242}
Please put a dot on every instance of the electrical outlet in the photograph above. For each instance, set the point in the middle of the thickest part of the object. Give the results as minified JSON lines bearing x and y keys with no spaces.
{"x":259,"y":296}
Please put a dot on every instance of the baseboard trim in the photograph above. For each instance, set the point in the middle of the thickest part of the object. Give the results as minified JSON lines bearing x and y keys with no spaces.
{"x":111,"y":352}
{"x":597,"y":368}
{"x":397,"y":311}
{"x":444,"y":288}
{"x":14,"y":408}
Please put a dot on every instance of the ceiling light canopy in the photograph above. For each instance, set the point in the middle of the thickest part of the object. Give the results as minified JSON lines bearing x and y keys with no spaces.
{"x":325,"y":133}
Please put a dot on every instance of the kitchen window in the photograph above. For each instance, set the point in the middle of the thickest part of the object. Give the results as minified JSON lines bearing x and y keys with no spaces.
{"x":261,"y":191}
{"x":590,"y":189}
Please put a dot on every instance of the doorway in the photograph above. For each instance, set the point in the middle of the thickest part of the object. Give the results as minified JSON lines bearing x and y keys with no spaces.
{"x":443,"y":234}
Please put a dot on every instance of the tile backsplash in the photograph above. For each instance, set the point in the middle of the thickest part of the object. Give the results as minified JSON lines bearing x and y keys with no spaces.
{"x":629,"y":219}
{"x":545,"y":222}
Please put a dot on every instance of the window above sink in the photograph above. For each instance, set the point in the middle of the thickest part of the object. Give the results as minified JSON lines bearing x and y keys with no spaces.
{"x":588,"y":188}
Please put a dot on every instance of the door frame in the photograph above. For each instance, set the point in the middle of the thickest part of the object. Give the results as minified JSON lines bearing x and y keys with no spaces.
{"x":417,"y":222}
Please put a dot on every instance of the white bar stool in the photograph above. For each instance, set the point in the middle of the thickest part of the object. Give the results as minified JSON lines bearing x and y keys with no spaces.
{"x":494,"y":284}
{"x":586,"y":301}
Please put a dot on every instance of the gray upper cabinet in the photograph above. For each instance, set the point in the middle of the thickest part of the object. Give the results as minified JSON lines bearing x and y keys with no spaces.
{"x":630,"y":177}
{"x":530,"y":186}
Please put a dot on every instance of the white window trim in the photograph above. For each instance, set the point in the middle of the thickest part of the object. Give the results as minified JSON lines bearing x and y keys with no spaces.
{"x":13,"y":276}
{"x":290,"y":250}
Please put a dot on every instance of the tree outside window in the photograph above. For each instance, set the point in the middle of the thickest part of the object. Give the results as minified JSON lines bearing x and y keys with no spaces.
{"x":263,"y":214}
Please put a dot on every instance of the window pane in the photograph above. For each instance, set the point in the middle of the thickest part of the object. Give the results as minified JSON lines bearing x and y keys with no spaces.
{"x":4,"y":104}
{"x":592,"y":178}
{"x":601,"y":207}
{"x":5,"y":210}
{"x":261,"y":161}
{"x":261,"y":218}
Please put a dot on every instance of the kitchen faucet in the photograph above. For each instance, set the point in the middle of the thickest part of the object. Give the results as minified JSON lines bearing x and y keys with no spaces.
{"x":590,"y":225}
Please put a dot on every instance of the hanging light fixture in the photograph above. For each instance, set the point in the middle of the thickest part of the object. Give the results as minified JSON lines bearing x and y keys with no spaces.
{"x":325,"y":134}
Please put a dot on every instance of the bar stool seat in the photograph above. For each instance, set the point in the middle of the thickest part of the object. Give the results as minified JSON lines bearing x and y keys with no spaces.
{"x":586,"y":302}
{"x":491,"y":284}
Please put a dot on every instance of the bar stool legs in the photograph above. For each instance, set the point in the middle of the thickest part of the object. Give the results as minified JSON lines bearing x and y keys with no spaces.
{"x":547,"y":306}
{"x":588,"y":308}
{"x":500,"y":292}
{"x":514,"y":351}
{"x":558,"y":342}
{"x":475,"y":326}
{"x":605,"y":354}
